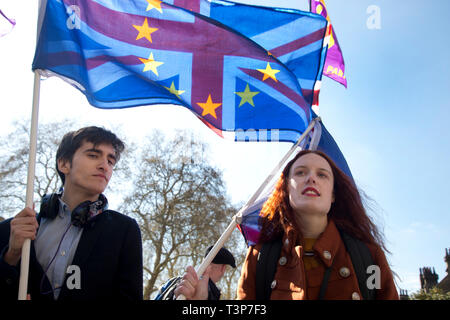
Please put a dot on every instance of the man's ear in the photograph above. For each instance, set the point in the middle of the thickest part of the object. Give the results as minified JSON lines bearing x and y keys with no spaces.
{"x":224,"y":267}
{"x":64,"y":166}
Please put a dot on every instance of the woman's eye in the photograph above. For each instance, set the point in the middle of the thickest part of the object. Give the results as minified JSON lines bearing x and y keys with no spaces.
{"x":322,"y":175}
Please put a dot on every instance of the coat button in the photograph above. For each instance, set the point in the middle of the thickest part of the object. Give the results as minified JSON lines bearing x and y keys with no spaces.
{"x":327,"y":255}
{"x":286,"y":242}
{"x":355,"y":296}
{"x":273,"y":284}
{"x":344,"y":272}
{"x":282,"y":261}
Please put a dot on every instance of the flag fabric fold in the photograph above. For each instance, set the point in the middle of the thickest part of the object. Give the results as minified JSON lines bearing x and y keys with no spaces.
{"x":129,"y":53}
{"x":321,"y":139}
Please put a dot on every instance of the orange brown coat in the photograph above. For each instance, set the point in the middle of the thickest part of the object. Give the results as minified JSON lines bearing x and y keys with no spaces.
{"x":293,"y":282}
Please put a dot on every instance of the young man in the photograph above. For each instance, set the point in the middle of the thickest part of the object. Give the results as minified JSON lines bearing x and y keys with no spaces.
{"x":80,"y":250}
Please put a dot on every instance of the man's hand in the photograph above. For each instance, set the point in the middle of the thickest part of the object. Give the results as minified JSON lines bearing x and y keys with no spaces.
{"x":193,"y":288}
{"x":23,"y":226}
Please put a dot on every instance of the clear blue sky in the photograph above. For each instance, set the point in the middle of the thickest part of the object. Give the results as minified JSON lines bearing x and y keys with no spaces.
{"x":391,"y":122}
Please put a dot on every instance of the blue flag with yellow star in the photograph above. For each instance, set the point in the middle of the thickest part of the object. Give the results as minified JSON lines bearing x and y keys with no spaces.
{"x":130,"y":53}
{"x":294,"y":37}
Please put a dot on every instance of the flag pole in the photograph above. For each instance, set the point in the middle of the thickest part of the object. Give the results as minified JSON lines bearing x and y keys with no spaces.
{"x":315,"y":139}
{"x":25,"y":259}
{"x":237,"y":218}
{"x":278,"y":167}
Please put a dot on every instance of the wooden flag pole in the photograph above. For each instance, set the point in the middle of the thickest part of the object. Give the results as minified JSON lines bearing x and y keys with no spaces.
{"x":237,"y":218}
{"x":25,"y":259}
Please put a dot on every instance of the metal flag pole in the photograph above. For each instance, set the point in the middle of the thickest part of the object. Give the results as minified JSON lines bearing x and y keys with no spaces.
{"x":237,"y":218}
{"x":25,"y":259}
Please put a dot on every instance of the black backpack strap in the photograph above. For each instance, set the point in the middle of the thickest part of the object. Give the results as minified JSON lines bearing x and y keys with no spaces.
{"x":265,"y":268}
{"x":324,"y":285}
{"x":270,"y":252}
{"x":361,"y":260}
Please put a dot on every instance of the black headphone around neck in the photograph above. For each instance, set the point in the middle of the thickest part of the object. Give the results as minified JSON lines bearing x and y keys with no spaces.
{"x":79,"y":216}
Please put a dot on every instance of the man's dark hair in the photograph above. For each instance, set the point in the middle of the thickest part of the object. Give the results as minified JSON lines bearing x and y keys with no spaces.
{"x":74,"y":139}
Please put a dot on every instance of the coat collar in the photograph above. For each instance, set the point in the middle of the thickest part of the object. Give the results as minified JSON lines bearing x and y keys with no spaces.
{"x":326,"y":246}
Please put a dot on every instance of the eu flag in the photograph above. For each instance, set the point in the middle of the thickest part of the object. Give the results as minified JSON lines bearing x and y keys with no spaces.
{"x":129,"y":53}
{"x":295,"y":37}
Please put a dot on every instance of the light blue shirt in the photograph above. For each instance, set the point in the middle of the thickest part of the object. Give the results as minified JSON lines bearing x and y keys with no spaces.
{"x":51,"y":234}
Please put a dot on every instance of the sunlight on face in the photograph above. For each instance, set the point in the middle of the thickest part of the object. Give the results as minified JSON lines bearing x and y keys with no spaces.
{"x":310,"y":185}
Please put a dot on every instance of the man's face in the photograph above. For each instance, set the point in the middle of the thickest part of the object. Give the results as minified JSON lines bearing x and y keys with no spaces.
{"x":90,"y":170}
{"x":217,"y":272}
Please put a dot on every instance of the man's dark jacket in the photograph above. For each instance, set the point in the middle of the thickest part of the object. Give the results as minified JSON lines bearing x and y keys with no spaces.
{"x":109,"y":256}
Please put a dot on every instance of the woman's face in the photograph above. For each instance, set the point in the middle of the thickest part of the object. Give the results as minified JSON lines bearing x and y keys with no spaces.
{"x":310,"y":185}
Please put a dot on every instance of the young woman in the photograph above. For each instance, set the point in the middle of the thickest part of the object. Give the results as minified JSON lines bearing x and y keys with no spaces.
{"x":313,"y":202}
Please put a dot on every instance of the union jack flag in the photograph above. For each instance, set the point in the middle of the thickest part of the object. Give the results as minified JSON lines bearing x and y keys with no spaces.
{"x":129,"y":53}
{"x":295,"y":37}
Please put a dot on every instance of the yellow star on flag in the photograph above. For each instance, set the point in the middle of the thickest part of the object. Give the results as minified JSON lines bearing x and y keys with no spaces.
{"x":174,"y":91}
{"x":269,"y":72}
{"x":145,"y":31}
{"x":209,"y":107}
{"x":151,"y":64}
{"x":247,"y":96}
{"x":154,"y":4}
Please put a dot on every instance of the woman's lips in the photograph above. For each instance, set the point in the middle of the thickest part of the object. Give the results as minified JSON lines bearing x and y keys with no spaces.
{"x":311,"y":192}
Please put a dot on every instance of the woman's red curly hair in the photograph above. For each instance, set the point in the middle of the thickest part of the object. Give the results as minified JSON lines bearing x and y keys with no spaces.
{"x":347,"y":211}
